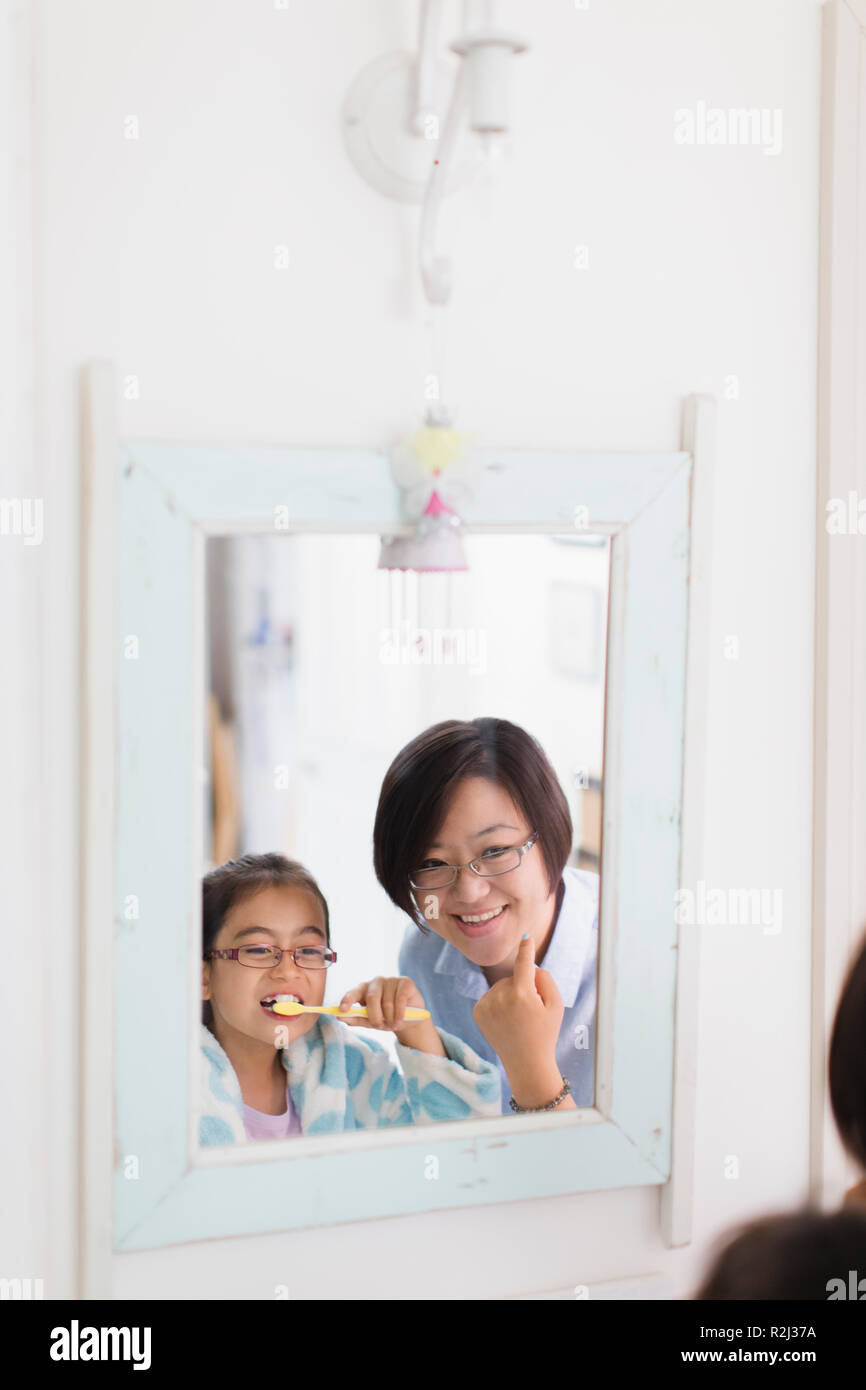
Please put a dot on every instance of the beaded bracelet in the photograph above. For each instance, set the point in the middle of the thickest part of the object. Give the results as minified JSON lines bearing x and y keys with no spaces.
{"x":535,"y":1109}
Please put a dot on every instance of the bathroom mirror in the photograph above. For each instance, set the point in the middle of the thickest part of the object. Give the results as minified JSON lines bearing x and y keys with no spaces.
{"x":320,"y":668}
{"x":170,"y":529}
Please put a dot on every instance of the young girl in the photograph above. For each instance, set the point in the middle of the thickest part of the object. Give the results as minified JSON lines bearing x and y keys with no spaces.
{"x":266,"y":937}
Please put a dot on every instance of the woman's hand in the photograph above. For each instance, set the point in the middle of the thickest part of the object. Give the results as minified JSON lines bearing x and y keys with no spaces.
{"x":387,"y":997}
{"x":521,"y":1017}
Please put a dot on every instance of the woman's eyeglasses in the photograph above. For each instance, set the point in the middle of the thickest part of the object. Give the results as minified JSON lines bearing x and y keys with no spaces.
{"x":489,"y":865}
{"x":265,"y":957}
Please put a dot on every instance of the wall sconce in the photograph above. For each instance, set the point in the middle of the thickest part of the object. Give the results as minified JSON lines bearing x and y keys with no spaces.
{"x":399,"y":140}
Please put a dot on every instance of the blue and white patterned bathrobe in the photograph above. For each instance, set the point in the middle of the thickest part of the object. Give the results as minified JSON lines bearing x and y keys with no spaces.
{"x":343,"y":1078}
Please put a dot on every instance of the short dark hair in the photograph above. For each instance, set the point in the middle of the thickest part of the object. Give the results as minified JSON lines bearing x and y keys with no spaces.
{"x":237,"y":879}
{"x":421,"y":782}
{"x":790,"y":1255}
{"x":847,"y":1060}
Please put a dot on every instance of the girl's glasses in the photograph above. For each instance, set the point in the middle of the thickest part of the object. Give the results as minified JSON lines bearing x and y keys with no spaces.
{"x":265,"y":957}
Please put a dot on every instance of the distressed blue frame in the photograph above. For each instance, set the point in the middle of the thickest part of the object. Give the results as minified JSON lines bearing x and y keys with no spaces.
{"x":170,"y":496}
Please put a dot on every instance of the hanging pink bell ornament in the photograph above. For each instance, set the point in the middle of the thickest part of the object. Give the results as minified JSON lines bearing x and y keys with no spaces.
{"x":436,"y":470}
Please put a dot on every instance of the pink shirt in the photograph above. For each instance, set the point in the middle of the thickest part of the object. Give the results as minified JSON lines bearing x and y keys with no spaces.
{"x":258,"y":1125}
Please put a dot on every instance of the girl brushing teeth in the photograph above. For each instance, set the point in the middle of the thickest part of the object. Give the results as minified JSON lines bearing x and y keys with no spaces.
{"x":266,"y":938}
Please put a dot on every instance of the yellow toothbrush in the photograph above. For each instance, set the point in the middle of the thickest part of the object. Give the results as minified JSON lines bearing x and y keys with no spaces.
{"x":288,"y":1009}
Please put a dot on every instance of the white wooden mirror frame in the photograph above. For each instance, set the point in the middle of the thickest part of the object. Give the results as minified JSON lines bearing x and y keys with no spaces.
{"x":148,"y":509}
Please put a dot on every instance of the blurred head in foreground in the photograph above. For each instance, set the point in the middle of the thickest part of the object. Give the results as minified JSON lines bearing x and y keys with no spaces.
{"x":796,"y":1255}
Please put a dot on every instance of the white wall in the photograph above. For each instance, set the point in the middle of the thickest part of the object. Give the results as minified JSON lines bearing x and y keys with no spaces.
{"x":159,"y":253}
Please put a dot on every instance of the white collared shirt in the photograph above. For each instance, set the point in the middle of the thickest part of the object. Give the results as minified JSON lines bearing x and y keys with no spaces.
{"x":452,"y":985}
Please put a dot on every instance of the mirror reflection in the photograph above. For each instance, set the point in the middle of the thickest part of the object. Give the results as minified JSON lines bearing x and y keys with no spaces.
{"x":403,"y":817}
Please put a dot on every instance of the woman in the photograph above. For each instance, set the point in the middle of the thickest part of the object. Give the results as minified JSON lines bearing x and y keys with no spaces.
{"x":471,"y":839}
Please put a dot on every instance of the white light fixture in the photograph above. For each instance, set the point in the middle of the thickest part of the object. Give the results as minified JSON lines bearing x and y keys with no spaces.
{"x":398,"y":138}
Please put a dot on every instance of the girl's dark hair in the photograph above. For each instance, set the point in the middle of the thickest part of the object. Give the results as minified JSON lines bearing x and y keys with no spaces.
{"x":847,"y":1062}
{"x":230,"y":883}
{"x":789,"y":1256}
{"x":422,"y":779}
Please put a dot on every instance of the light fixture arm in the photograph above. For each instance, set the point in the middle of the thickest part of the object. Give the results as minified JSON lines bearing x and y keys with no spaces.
{"x":481,"y":84}
{"x":436,"y":270}
{"x":429,"y":24}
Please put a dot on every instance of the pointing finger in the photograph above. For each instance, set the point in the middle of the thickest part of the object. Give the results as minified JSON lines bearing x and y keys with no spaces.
{"x":524,"y":965}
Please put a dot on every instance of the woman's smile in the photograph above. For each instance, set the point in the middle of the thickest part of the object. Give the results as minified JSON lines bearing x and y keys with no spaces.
{"x":481,"y":923}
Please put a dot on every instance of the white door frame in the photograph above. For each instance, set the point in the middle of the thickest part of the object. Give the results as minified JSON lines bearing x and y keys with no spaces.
{"x":839,"y":881}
